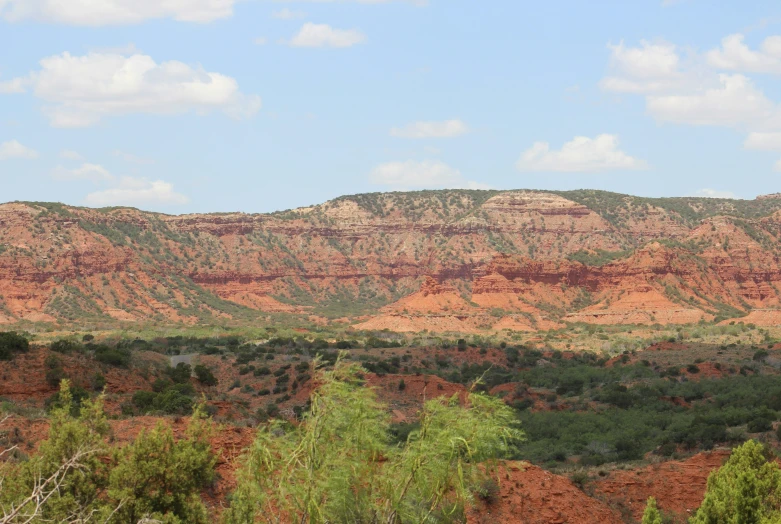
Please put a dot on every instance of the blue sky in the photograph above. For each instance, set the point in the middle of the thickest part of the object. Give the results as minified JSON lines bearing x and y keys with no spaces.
{"x":259,"y":105}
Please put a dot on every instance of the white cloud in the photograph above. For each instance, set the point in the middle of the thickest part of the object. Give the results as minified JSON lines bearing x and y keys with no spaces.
{"x":288,"y":14}
{"x":323,"y":35}
{"x":582,"y":154}
{"x":735,"y":103}
{"x":763,"y":141}
{"x":13,"y":149}
{"x":777,"y":166}
{"x":714,"y":193}
{"x":137,"y":192}
{"x":131,"y":158}
{"x":735,"y":55}
{"x":652,"y":67}
{"x":114,"y":12}
{"x":419,"y":3}
{"x":446,"y":129}
{"x":92,"y":172}
{"x":68,"y":154}
{"x":261,"y":40}
{"x":81,"y":90}
{"x":12,"y":86}
{"x":421,"y":174}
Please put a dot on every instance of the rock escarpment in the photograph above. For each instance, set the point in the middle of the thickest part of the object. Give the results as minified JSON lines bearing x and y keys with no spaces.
{"x":439,"y":260}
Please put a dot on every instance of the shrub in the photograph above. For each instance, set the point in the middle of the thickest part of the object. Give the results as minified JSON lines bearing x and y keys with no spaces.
{"x":160,"y":385}
{"x":760,"y":425}
{"x":325,"y":468}
{"x":181,"y":373}
{"x":66,"y":346}
{"x":489,"y":490}
{"x":651,"y":514}
{"x":98,"y":382}
{"x":144,"y":400}
{"x":579,"y":478}
{"x":112,"y":356}
{"x":745,"y":489}
{"x":157,"y":476}
{"x":760,"y":355}
{"x":12,"y":343}
{"x":205,"y":376}
{"x":272,"y":410}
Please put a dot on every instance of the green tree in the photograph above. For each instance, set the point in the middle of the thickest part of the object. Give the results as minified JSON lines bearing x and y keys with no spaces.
{"x":181,"y":373}
{"x":77,"y":477}
{"x":651,"y":514}
{"x":745,"y":490}
{"x":205,"y":375}
{"x":11,"y":343}
{"x":159,"y":478}
{"x":339,"y":464}
{"x":62,"y":482}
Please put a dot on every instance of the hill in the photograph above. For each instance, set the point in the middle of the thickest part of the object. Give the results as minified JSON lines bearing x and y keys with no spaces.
{"x":451,"y":260}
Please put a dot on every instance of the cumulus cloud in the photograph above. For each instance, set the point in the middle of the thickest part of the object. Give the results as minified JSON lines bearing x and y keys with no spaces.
{"x":81,"y":90}
{"x":13,"y":149}
{"x":86,"y":171}
{"x":12,"y":86}
{"x":708,"y":89}
{"x":735,"y":55}
{"x":763,"y":141}
{"x":582,"y":154}
{"x":736,"y":102}
{"x":429,"y":174}
{"x":446,"y":129}
{"x":114,"y":12}
{"x":137,"y":192}
{"x":652,"y":67}
{"x":323,"y":35}
{"x":715,"y":193}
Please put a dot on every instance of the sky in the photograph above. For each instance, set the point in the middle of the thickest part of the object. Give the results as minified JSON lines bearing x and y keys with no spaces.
{"x":183,"y":106}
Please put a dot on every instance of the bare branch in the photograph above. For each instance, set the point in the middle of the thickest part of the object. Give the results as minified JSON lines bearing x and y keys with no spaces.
{"x":43,"y":489}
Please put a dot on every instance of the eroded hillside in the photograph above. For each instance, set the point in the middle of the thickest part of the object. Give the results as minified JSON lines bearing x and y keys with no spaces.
{"x":457,"y":260}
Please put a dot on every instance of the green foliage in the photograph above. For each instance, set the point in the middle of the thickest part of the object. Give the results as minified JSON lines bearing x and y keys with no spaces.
{"x":598,"y":257}
{"x":205,"y":375}
{"x":637,"y":413}
{"x":651,"y":514}
{"x":181,"y":373}
{"x":119,"y":357}
{"x":157,"y":477}
{"x":175,"y":399}
{"x":12,"y":343}
{"x":78,"y":441}
{"x":747,"y":489}
{"x":328,"y":468}
{"x":98,"y":382}
{"x":66,"y":346}
{"x":77,"y":477}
